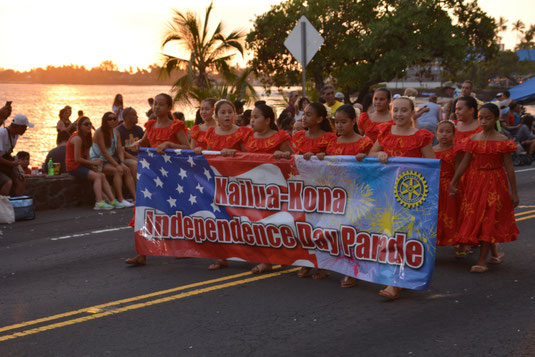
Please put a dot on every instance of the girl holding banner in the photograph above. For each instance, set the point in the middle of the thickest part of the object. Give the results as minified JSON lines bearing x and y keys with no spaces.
{"x":401,"y":139}
{"x":267,"y":139}
{"x":369,"y":124}
{"x":228,"y":138}
{"x":314,"y":140}
{"x":198,"y":132}
{"x":162,"y":133}
{"x":349,"y":142}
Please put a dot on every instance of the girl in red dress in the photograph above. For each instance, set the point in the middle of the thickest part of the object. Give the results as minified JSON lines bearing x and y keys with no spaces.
{"x":314,"y":140}
{"x":269,"y":140}
{"x":227,"y":138}
{"x":162,"y":133}
{"x":401,"y":139}
{"x":467,"y":124}
{"x":349,"y":142}
{"x":370,"y":124}
{"x":198,"y":132}
{"x":487,"y":215}
{"x":450,"y":157}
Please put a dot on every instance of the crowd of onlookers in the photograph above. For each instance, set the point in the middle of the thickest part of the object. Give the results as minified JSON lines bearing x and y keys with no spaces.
{"x":110,"y":156}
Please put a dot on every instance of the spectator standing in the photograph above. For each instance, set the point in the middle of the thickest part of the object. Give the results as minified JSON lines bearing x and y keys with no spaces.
{"x":11,"y":180}
{"x":467,"y":90}
{"x":301,"y":105}
{"x":504,"y":99}
{"x":429,"y":118}
{"x":64,"y":122}
{"x":118,"y":106}
{"x":5,"y":112}
{"x":327,"y":93}
{"x":292,"y":100}
{"x":57,"y":154}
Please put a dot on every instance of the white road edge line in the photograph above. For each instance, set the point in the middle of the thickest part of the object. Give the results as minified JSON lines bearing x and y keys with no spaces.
{"x":92,"y":232}
{"x":525,"y":170}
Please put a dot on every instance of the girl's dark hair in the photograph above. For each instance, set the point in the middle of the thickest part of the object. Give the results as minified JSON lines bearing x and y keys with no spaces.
{"x":118,"y":100}
{"x":471,"y":103}
{"x":287,"y":123}
{"x":268,"y":113}
{"x":351,"y":113}
{"x":105,"y":128}
{"x":348,"y":110}
{"x":246,"y":117}
{"x":367,"y":102}
{"x":321,"y":111}
{"x":301,"y":102}
{"x":493,"y":108}
{"x":283,"y":115}
{"x":212,"y":101}
{"x":87,"y":141}
{"x":222,"y":102}
{"x":168,"y":99}
{"x":198,"y":118}
{"x":177,"y":116}
{"x":382,"y":89}
{"x":447,"y":122}
{"x":63,"y":111}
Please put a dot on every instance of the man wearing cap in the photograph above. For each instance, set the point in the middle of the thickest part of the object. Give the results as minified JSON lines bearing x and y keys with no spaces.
{"x":11,"y":181}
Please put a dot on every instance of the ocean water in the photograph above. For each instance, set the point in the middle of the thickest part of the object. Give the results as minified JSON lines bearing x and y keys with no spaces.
{"x":41,"y":103}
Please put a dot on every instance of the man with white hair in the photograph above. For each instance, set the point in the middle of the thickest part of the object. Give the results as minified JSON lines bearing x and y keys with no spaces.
{"x":11,"y":179}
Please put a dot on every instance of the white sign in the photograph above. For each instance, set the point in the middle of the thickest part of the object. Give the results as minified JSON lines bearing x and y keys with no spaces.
{"x":312,"y":41}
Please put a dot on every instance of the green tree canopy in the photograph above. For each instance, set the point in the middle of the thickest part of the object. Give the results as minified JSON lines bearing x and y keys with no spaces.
{"x":371,"y":41}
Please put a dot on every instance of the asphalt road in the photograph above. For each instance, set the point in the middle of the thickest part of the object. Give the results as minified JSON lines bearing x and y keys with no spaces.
{"x":65,"y":291}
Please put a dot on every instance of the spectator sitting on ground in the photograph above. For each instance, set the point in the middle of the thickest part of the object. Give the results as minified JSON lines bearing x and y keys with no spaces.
{"x":24,"y":159}
{"x":5,"y":112}
{"x":57,"y":154}
{"x":129,"y":133}
{"x":11,"y":180}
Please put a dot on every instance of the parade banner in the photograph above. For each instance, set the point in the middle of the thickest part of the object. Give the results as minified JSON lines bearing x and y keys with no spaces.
{"x":368,"y":220}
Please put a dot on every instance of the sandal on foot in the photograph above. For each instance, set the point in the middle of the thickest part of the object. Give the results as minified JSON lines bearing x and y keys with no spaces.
{"x":320,"y":274}
{"x":220,"y":264}
{"x":262,"y":268}
{"x":348,"y":282}
{"x":303,"y":272}
{"x":139,"y":260}
{"x":498,"y":259}
{"x":478,"y":269}
{"x":389,"y":295}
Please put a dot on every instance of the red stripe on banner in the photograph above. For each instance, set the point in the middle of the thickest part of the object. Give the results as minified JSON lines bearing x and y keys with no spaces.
{"x":243,"y":162}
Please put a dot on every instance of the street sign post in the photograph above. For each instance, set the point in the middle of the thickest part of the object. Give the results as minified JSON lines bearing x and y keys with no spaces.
{"x":303,"y":43}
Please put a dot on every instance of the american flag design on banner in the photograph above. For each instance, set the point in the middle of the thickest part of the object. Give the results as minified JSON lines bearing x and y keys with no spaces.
{"x":368,"y":220}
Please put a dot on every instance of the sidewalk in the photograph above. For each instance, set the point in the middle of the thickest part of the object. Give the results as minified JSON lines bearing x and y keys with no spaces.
{"x":57,"y":223}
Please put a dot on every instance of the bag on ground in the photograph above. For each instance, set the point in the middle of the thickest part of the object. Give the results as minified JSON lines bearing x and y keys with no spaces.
{"x":7,"y":214}
{"x":23,"y":207}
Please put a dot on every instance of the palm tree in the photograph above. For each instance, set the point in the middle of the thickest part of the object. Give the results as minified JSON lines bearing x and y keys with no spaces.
{"x":208,"y":52}
{"x":519,"y":27}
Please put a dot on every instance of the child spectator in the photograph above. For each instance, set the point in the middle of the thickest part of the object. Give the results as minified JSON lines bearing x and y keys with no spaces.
{"x":24,"y":158}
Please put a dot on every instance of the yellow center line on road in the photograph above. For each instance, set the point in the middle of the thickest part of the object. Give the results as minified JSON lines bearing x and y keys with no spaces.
{"x":523,"y":213}
{"x":524,"y":218}
{"x":144,"y":304}
{"x":123,"y":301}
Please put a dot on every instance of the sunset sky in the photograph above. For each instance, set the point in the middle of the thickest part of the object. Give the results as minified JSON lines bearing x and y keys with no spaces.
{"x":36,"y":33}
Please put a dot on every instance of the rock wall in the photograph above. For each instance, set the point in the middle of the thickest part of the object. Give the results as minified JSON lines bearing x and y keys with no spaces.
{"x":61,"y":191}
